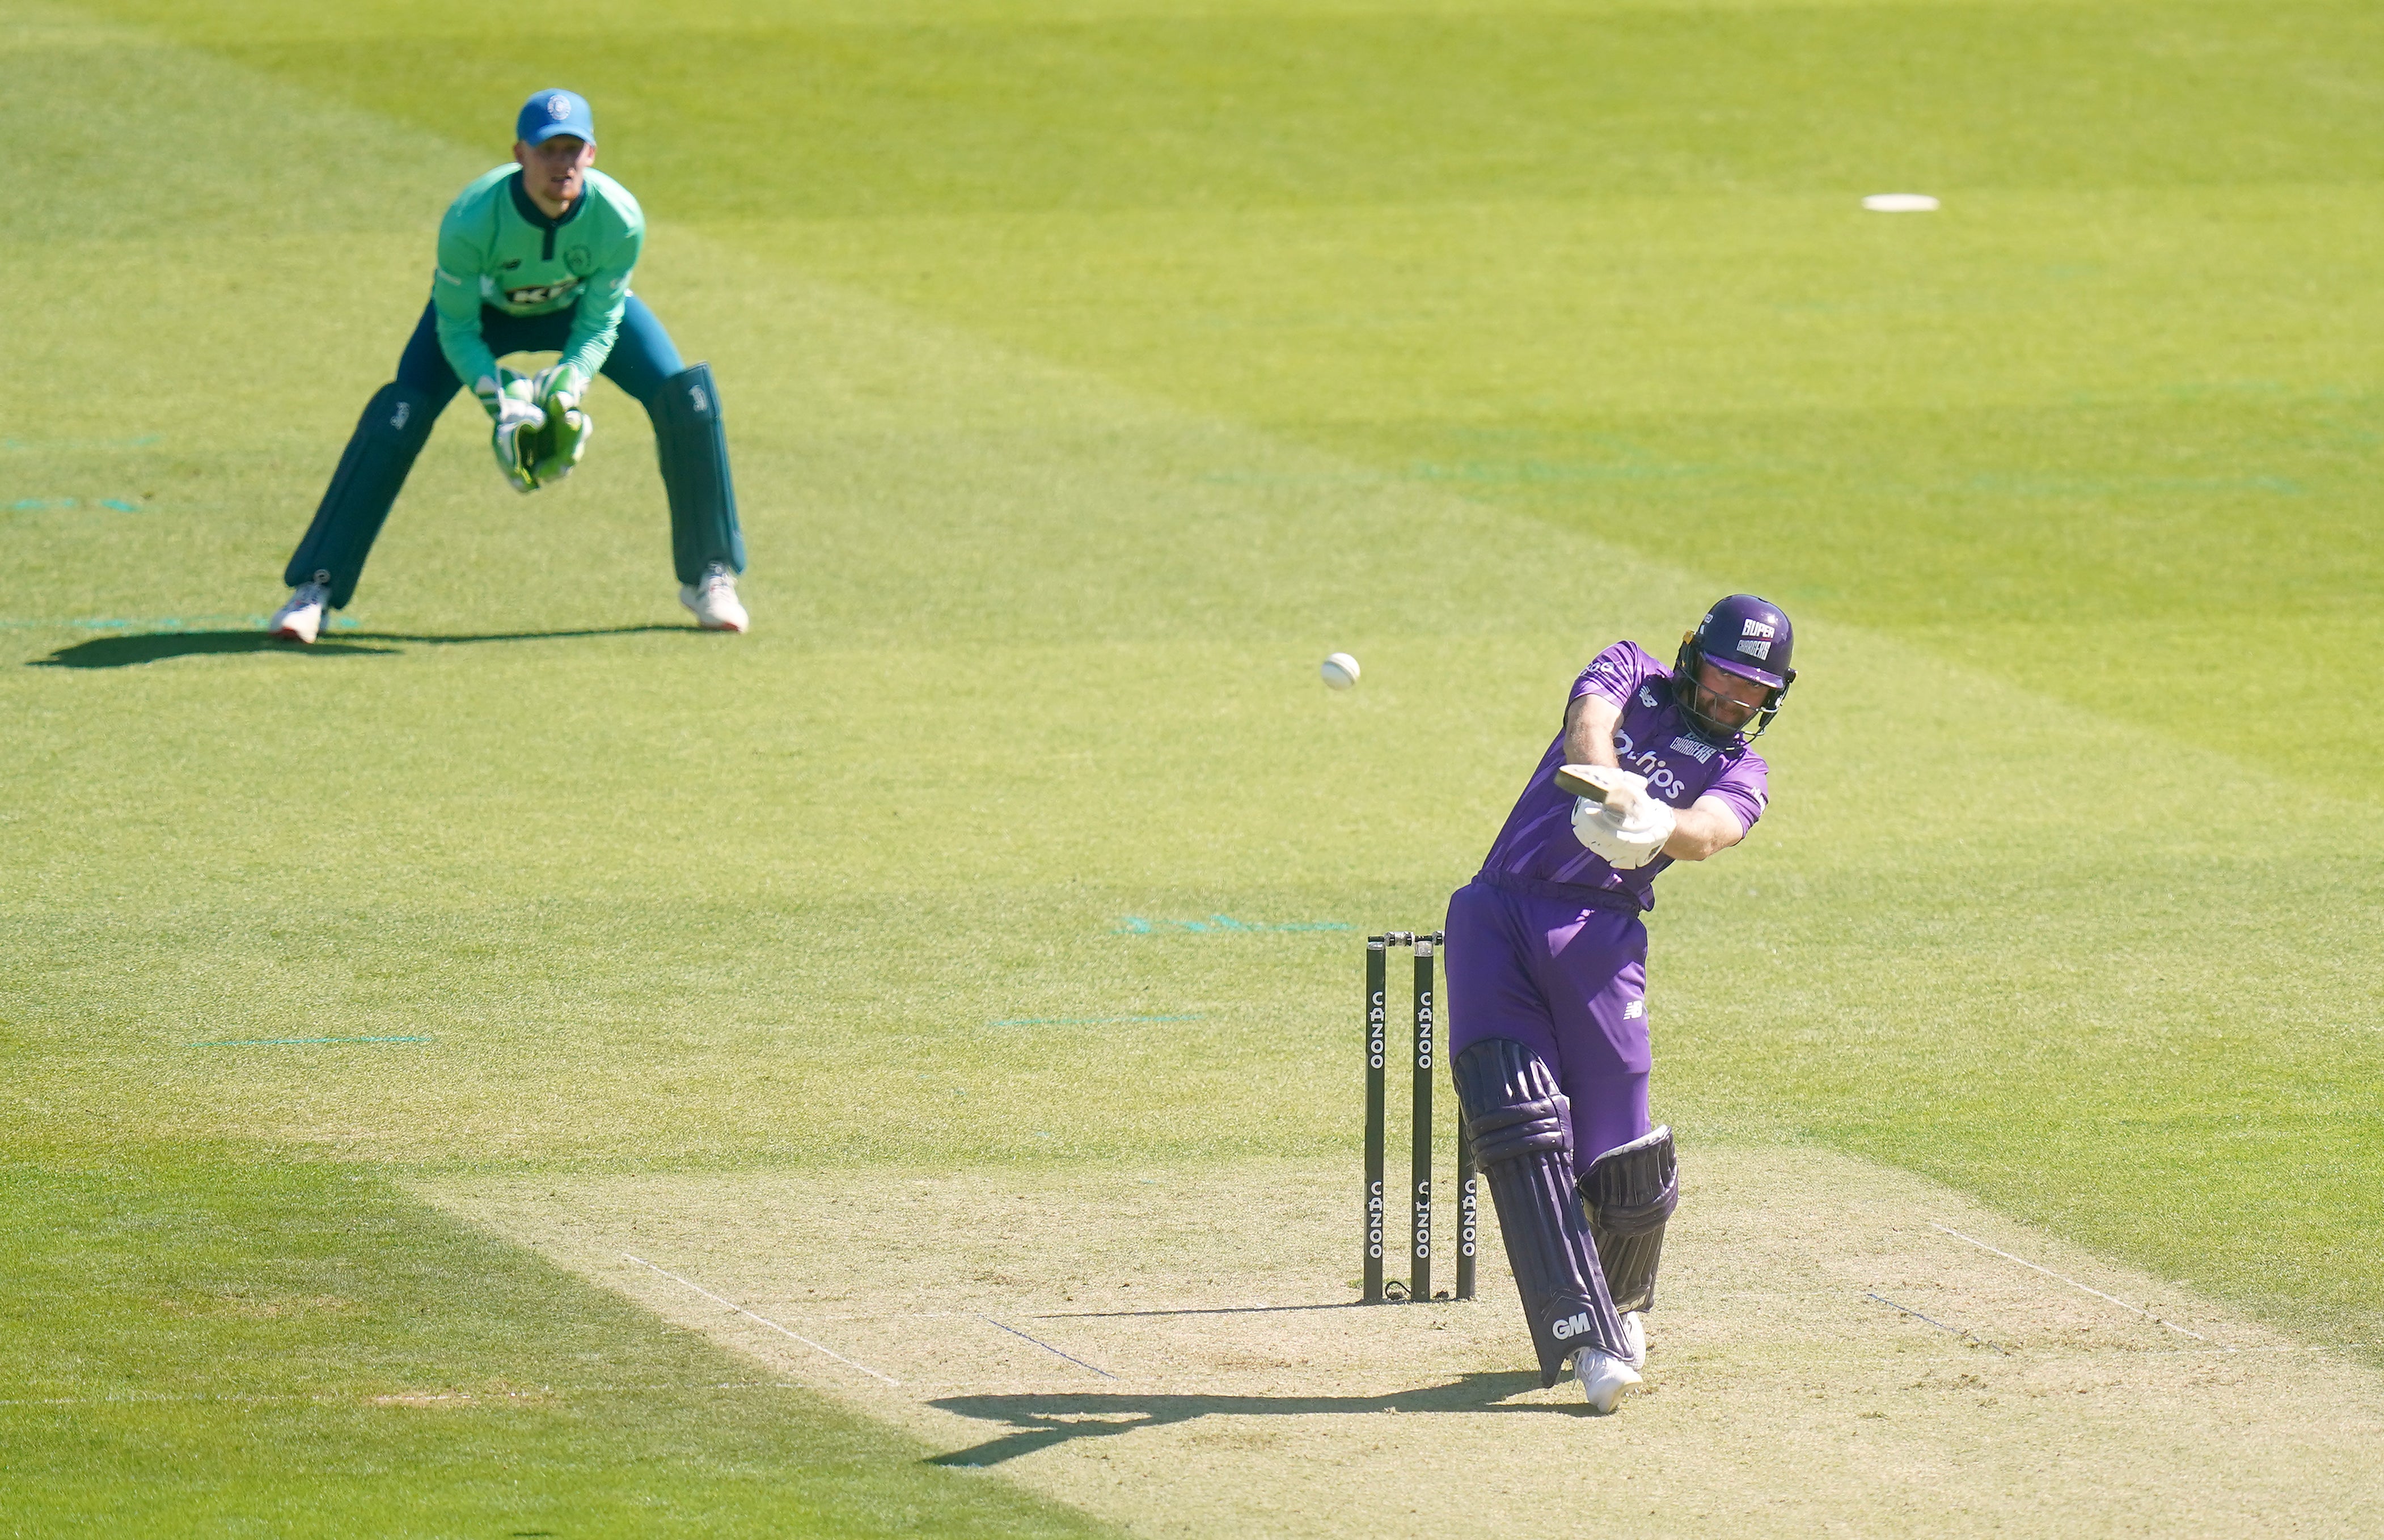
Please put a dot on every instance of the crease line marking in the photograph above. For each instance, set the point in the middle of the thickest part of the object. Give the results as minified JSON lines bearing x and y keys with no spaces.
{"x":766,"y":1321}
{"x":1047,"y":1348}
{"x":1953,"y":1331}
{"x":2071,"y":1282}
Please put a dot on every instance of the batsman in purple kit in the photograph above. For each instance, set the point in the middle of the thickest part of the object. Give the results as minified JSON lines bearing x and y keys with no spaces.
{"x":1547,"y":974}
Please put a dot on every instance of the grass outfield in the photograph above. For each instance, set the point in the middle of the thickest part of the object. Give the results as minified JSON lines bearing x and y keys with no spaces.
{"x":1090,"y":373}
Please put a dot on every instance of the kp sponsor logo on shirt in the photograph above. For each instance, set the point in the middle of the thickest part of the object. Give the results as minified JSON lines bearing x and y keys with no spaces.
{"x":539,"y":294}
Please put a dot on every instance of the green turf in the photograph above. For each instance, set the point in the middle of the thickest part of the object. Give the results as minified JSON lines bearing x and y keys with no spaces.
{"x":196,"y":1337}
{"x":1092,"y":373}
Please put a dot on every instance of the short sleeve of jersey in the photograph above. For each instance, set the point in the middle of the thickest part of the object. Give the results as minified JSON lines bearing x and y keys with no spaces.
{"x":1615,"y":672}
{"x":1745,"y":786}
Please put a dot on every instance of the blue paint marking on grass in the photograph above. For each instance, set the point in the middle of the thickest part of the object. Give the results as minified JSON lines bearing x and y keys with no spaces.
{"x":1085,"y":1021}
{"x":294,"y":1042}
{"x":35,"y":504}
{"x":1219,"y":924}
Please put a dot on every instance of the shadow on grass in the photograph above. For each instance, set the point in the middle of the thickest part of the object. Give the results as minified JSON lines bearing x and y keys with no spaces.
{"x":157,"y":646}
{"x":1042,"y":1420}
{"x":454,"y":640}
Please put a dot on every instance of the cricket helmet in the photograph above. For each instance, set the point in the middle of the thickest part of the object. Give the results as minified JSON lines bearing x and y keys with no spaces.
{"x":1741,"y":635}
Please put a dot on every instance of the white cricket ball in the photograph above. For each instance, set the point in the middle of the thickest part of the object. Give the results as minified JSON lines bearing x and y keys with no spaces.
{"x":1340,"y":671}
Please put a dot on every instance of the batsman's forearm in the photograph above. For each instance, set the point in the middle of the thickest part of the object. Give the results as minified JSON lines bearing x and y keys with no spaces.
{"x":1589,"y":731}
{"x":1701,"y":831}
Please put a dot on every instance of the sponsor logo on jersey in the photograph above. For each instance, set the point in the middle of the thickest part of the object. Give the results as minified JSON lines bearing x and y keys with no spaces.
{"x":1633,"y":1010}
{"x":539,"y":293}
{"x":1696,"y":748}
{"x":1758,"y":628}
{"x":1756,"y":649}
{"x":1646,"y":697}
{"x":1573,"y":1326}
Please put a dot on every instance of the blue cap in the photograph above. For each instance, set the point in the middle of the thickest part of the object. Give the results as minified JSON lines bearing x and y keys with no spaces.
{"x":548,"y":113}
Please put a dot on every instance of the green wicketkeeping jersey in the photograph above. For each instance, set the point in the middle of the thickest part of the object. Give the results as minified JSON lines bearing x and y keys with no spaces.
{"x":497,"y":248}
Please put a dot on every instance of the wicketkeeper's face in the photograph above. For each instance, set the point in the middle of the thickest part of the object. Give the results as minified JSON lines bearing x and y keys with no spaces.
{"x":1726,"y":698}
{"x":556,"y":167}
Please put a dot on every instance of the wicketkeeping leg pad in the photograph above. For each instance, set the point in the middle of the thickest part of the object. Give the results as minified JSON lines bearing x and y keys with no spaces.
{"x":1520,"y":1125}
{"x":693,"y":448}
{"x":1630,"y":1192}
{"x":392,"y":432}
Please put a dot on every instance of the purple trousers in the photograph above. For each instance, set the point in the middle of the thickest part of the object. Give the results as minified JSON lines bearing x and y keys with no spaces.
{"x":1569,"y":982}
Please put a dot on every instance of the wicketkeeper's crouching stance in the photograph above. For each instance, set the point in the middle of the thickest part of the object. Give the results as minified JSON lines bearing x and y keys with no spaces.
{"x":1547,"y":974}
{"x":534,"y":257}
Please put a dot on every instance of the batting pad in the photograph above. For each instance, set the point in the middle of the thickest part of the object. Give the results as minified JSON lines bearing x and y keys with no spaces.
{"x":1518,"y":1120}
{"x":373,"y":467}
{"x":694,"y":452}
{"x":1630,"y":1192}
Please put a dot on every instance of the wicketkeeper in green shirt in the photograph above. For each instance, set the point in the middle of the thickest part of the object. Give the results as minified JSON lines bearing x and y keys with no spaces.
{"x":534,"y":257}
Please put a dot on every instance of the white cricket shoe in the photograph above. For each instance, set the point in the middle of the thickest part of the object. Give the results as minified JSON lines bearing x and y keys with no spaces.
{"x":301,"y":618}
{"x":1603,"y":1378}
{"x":713,"y":599}
{"x":1635,"y":1337}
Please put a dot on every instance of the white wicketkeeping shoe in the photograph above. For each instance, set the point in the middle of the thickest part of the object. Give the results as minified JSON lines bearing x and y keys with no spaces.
{"x":1603,"y":1378}
{"x":301,"y":618}
{"x":1635,"y":1337}
{"x":713,"y":599}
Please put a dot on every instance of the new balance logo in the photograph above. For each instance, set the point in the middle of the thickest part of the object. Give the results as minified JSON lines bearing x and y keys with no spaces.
{"x":405,"y":413}
{"x":1633,"y":1010}
{"x":1646,"y":696}
{"x":1566,"y":1330}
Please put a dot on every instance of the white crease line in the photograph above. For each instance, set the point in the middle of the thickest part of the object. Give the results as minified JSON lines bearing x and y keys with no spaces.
{"x":2071,"y":1282}
{"x":1048,"y":1348}
{"x":767,"y":1322}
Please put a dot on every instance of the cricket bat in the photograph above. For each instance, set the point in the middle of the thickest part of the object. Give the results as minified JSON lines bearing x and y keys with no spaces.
{"x":1580,"y":780}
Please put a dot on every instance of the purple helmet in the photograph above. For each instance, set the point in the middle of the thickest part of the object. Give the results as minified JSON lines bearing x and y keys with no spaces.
{"x":1742,"y":635}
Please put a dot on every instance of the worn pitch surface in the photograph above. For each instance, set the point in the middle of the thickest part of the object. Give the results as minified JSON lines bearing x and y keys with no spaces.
{"x":1839,"y":1345}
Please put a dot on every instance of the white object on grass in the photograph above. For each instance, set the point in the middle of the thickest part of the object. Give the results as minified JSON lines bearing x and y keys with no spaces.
{"x":1900,"y":202}
{"x":1340,"y":671}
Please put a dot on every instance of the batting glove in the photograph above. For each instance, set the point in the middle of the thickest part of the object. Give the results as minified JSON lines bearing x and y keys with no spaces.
{"x":1628,"y":829}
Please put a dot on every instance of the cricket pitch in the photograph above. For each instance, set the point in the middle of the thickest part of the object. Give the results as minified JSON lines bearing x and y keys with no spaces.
{"x":1837,"y":1347}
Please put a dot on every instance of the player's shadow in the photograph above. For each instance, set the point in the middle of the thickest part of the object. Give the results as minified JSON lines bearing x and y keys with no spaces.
{"x":454,"y":638}
{"x":1042,"y":1420}
{"x":155,"y":646}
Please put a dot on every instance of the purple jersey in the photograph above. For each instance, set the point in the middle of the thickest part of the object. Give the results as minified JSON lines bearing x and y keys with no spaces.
{"x":1537,"y":847}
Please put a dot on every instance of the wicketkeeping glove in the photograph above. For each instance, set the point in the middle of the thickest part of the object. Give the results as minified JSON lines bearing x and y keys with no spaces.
{"x":1629,"y":827}
{"x":553,"y":452}
{"x":508,"y":400}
